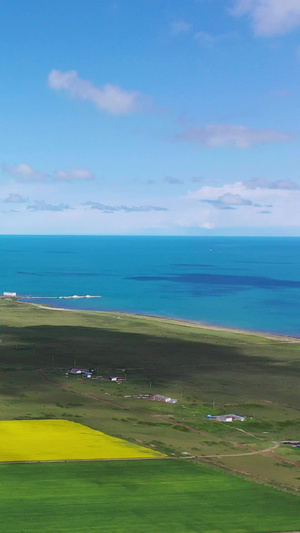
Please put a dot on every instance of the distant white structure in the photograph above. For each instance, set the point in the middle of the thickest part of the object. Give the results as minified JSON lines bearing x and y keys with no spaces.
{"x":227,"y":418}
{"x":10,"y":294}
{"x":161,"y":398}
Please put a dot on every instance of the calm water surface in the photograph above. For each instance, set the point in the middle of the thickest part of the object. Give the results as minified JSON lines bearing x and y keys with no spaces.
{"x":249,"y":283}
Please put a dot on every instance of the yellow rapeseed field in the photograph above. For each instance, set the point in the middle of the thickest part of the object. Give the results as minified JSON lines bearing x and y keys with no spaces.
{"x":55,"y":440}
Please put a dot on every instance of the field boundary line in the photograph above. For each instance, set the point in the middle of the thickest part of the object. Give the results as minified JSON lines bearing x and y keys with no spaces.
{"x":88,"y":460}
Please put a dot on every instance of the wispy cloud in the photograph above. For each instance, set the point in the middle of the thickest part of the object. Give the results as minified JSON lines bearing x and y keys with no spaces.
{"x":195,"y":179}
{"x":236,"y":136}
{"x":173,"y":181}
{"x":269,"y":17}
{"x":109,"y":98}
{"x":179,"y":27}
{"x":127,"y":209}
{"x":41,"y":205}
{"x":228,"y":201}
{"x":24,"y":172}
{"x":262,"y":183}
{"x":210,"y":40}
{"x":74,"y":174}
{"x":14,"y":198}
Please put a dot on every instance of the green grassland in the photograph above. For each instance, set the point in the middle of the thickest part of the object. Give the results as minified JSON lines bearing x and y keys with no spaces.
{"x":133,"y":496}
{"x":210,"y":371}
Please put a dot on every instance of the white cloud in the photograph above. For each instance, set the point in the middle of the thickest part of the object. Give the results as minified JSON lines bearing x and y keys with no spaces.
{"x":227,"y":201}
{"x":24,"y":172}
{"x":207,"y":225}
{"x":270,"y":17}
{"x":236,"y":136}
{"x":237,"y":204}
{"x":210,"y":40}
{"x":206,"y":38}
{"x":233,"y":199}
{"x":179,"y":27}
{"x":14,"y":198}
{"x":41,"y":205}
{"x":125,"y":208}
{"x":262,"y":183}
{"x":109,"y":98}
{"x":74,"y":174}
{"x":173,"y":181}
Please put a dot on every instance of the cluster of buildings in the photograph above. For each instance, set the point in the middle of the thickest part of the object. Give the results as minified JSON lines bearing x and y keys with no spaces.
{"x":85,"y":373}
{"x":161,"y":398}
{"x":226,"y":418}
{"x":154,"y":397}
{"x":88,"y":373}
{"x":293,"y":443}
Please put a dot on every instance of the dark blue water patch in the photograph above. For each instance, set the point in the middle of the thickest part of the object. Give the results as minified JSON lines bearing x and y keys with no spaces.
{"x":10,"y":250}
{"x":203,"y":290}
{"x":258,"y":282}
{"x":57,"y":252}
{"x":61,"y":274}
{"x":213,"y":267}
{"x":193,"y":265}
{"x":282,"y":303}
{"x":265,"y":262}
{"x":215,"y":291}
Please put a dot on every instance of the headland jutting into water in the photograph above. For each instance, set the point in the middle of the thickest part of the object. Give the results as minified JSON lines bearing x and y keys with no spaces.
{"x":20,"y":297}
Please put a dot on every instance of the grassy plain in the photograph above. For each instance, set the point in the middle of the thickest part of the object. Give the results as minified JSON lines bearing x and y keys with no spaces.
{"x":134,"y":496}
{"x":209,"y":371}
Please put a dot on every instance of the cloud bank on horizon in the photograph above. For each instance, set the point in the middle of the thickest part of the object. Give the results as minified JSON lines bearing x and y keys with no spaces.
{"x":132,"y":120}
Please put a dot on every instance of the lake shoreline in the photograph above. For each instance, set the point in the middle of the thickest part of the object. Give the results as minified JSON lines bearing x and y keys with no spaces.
{"x":177,"y":321}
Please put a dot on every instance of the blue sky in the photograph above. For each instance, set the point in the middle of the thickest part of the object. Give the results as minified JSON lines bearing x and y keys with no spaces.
{"x":155,"y":117}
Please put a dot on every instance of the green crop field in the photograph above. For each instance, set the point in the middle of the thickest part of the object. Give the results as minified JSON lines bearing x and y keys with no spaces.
{"x":134,"y":496}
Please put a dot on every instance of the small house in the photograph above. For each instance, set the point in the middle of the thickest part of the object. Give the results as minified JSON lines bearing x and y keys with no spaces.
{"x":227,"y":418}
{"x":80,"y":371}
{"x":117,"y":379}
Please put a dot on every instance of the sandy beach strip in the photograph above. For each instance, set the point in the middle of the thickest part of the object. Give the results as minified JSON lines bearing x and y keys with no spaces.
{"x":176,"y":321}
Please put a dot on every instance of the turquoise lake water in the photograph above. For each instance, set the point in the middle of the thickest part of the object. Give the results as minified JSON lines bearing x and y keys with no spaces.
{"x":248,"y":283}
